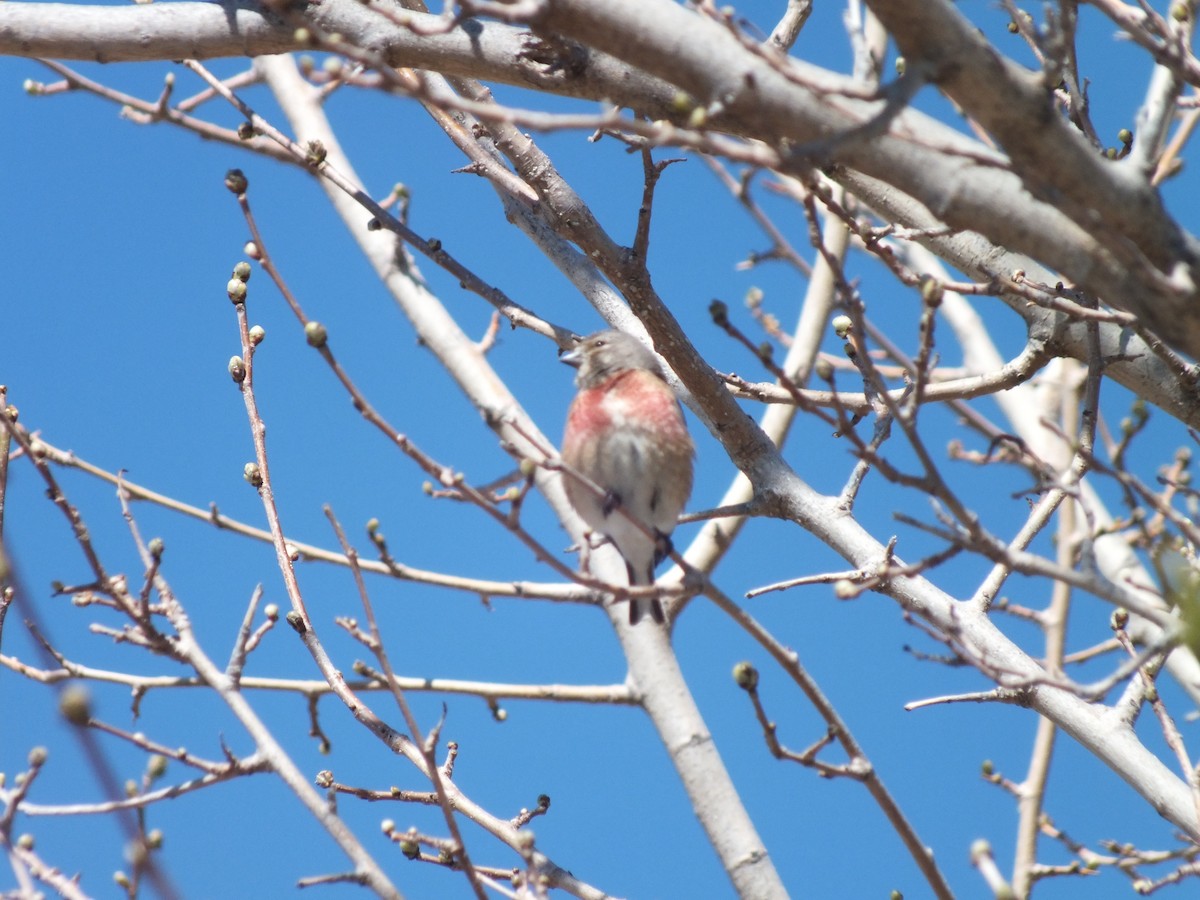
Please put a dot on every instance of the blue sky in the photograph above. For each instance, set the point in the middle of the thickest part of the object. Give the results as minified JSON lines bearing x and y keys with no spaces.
{"x":118,"y":240}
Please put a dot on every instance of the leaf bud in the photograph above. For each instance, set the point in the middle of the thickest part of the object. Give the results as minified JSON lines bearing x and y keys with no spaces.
{"x":745,"y":676}
{"x":315,"y":334}
{"x":235,"y":180}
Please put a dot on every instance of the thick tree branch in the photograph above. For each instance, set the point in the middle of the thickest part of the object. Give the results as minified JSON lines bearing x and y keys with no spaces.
{"x":1122,"y":247}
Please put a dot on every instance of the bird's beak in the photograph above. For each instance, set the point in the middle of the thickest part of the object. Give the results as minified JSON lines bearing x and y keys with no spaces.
{"x":572,"y":358}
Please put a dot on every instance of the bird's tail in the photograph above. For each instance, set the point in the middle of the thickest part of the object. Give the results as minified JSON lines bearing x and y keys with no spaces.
{"x":639,"y":607}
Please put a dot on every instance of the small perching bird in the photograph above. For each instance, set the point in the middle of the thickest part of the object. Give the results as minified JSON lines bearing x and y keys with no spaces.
{"x":625,"y":433}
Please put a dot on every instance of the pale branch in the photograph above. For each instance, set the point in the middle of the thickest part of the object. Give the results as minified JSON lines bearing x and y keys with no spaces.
{"x":373,"y":640}
{"x":1163,"y":391}
{"x":184,"y":648}
{"x":1131,"y":361}
{"x":701,"y":769}
{"x":439,"y":333}
{"x":148,"y":798}
{"x":1049,"y":154}
{"x":1025,"y":410}
{"x":838,"y":730}
{"x":568,"y":593}
{"x":1138,"y":256}
{"x":1146,"y":270}
{"x":365,"y":866}
{"x":1017,"y":371}
{"x":32,"y":864}
{"x":146,"y":112}
{"x":1139,"y":260}
{"x":615,"y":694}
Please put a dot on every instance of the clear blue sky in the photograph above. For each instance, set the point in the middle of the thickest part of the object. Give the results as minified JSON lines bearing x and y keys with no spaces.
{"x":115,"y":331}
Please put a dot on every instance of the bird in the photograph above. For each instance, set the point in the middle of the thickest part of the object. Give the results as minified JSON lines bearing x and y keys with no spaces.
{"x":626,"y":434}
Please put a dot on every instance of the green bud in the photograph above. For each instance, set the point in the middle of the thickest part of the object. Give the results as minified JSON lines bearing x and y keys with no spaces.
{"x":315,"y":334}
{"x":745,"y":676}
{"x":237,"y":369}
{"x":253,"y":474}
{"x":931,"y":291}
{"x":75,"y":705}
{"x":156,"y":766}
{"x":844,"y":588}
